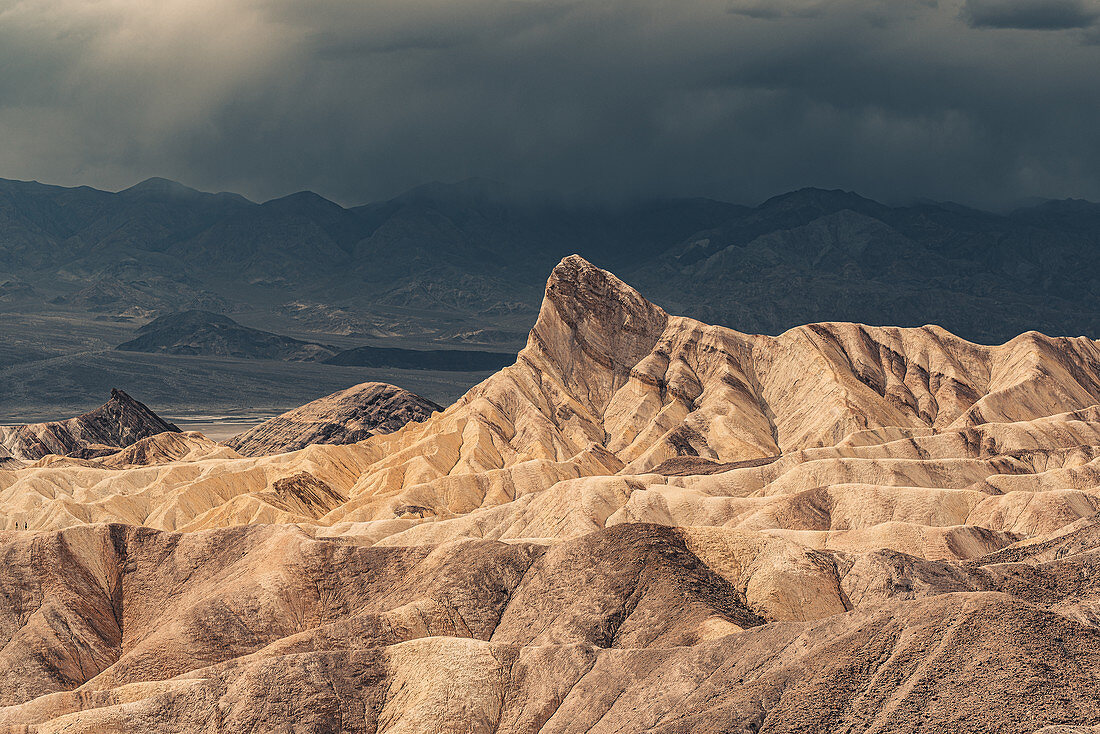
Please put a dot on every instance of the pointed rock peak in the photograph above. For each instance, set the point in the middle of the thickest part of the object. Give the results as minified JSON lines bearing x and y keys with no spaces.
{"x":130,"y":415}
{"x":588,"y":311}
{"x":118,"y":423}
{"x":119,"y":396}
{"x":577,"y":286}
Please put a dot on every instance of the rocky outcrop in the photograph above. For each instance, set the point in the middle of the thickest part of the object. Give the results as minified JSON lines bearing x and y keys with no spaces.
{"x":350,"y":415}
{"x":118,"y":423}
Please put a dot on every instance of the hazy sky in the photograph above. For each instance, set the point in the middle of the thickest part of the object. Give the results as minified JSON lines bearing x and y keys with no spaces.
{"x":984,"y":101}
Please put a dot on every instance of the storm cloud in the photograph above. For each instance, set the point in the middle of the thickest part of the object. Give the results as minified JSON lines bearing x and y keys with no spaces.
{"x":982,"y":101}
{"x":1031,"y":14}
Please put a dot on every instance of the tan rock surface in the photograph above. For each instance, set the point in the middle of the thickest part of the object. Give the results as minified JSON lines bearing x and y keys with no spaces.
{"x":645,"y":524}
{"x":634,"y":627}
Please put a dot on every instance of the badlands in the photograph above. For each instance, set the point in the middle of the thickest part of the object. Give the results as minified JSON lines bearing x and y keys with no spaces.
{"x":646,"y":524}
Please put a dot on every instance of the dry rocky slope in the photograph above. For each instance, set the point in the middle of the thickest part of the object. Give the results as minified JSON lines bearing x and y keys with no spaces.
{"x":348,"y":416}
{"x":645,"y":524}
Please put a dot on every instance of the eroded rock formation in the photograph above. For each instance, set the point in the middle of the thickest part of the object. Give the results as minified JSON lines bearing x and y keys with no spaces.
{"x":644,"y":524}
{"x":118,"y":423}
{"x":348,"y":416}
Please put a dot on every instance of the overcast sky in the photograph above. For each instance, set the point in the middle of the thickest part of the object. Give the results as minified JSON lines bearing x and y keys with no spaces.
{"x":982,"y":101}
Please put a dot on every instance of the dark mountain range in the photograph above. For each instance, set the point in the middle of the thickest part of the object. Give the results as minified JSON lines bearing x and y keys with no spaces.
{"x":201,"y":332}
{"x":475,"y":253}
{"x":216,"y":335}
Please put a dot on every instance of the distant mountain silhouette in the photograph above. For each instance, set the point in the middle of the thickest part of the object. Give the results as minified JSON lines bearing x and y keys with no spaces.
{"x":201,"y":332}
{"x":450,"y":252}
{"x":198,"y":332}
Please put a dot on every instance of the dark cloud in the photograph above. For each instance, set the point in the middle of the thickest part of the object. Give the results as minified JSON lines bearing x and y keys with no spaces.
{"x":1031,"y":14}
{"x":776,"y":10}
{"x":728,"y":98}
